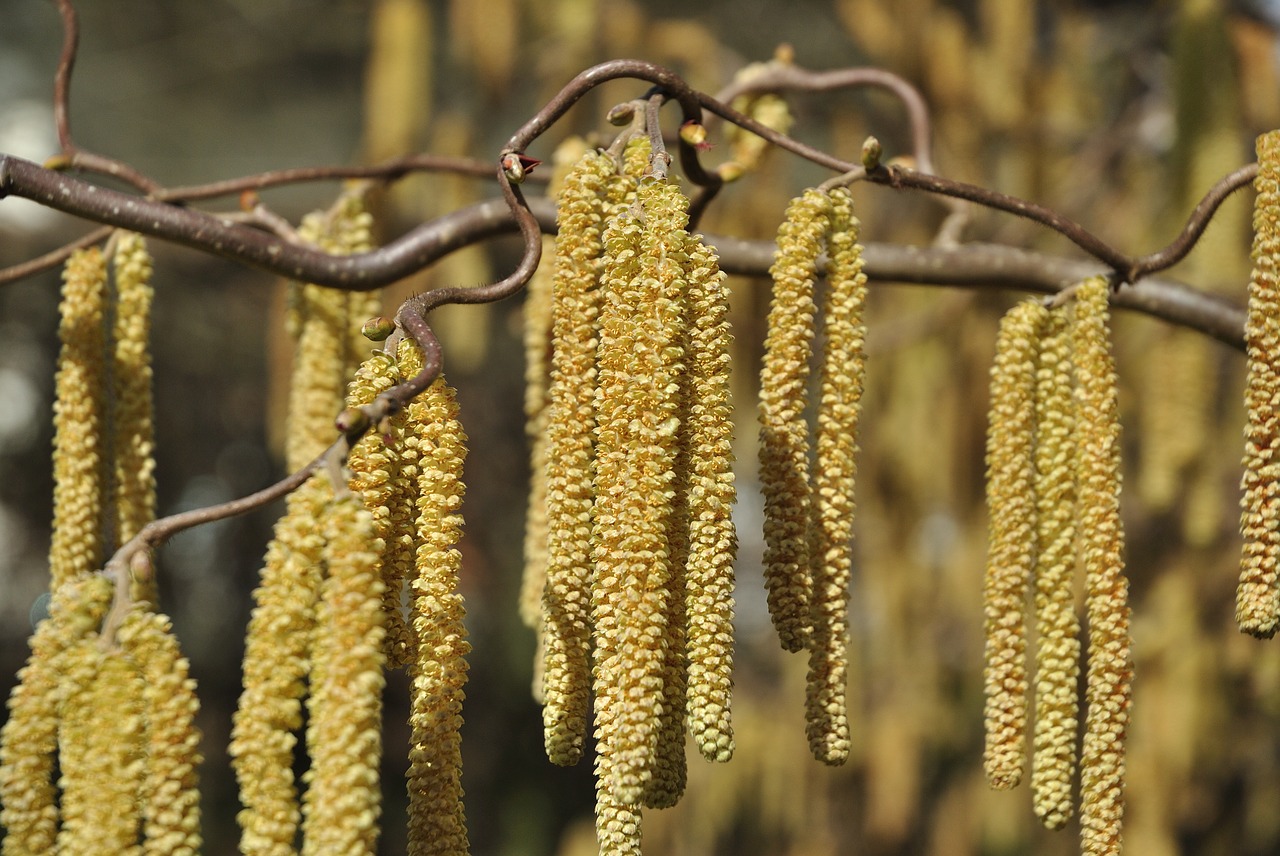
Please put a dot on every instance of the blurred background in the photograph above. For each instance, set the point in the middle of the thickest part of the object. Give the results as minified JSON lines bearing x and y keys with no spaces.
{"x":1118,"y":114}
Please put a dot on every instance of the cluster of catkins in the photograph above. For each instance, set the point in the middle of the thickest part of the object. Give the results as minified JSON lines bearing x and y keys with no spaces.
{"x":1053,"y":491}
{"x":105,"y":701}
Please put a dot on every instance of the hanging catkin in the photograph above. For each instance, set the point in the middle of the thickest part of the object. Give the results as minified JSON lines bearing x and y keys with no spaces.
{"x":1258,"y":595}
{"x":170,"y":801}
{"x":713,"y":541}
{"x":635,"y":455}
{"x":79,"y":420}
{"x":566,"y":601}
{"x":834,"y":472}
{"x":1011,"y":515}
{"x":344,"y":729}
{"x":784,"y":434}
{"x":1057,"y":628}
{"x":437,"y":823}
{"x":1110,"y":667}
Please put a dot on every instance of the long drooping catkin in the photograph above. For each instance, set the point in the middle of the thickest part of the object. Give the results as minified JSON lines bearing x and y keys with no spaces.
{"x":387,"y":481}
{"x":1258,"y":595}
{"x":1110,"y":666}
{"x":1057,"y":628}
{"x":276,"y":663}
{"x":571,"y":417}
{"x":1011,"y":514}
{"x":344,"y":729}
{"x":437,"y":824}
{"x":79,"y":420}
{"x":637,"y":423}
{"x":170,"y":799}
{"x":834,"y":472}
{"x":713,"y":541}
{"x":784,"y":434}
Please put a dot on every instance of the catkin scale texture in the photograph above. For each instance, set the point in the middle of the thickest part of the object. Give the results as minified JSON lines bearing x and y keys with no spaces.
{"x":1258,"y":594}
{"x":784,"y":434}
{"x":1012,"y":522}
{"x":1109,"y":677}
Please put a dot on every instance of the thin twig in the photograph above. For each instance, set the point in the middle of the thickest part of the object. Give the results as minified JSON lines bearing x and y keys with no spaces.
{"x":53,"y":258}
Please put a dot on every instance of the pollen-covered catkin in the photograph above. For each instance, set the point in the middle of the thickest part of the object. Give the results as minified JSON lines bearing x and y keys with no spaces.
{"x":344,"y":729}
{"x":29,"y":740}
{"x":713,"y":542}
{"x":78,"y":747}
{"x":1056,"y":719}
{"x":784,"y":434}
{"x":437,"y":824}
{"x":134,"y":440}
{"x":378,"y":474}
{"x":1011,"y":516}
{"x":1108,"y":683}
{"x":566,"y":595}
{"x":276,"y":664}
{"x":834,"y":472}
{"x":1258,"y":595}
{"x":79,"y":420}
{"x":114,"y":761}
{"x":170,"y":795}
{"x":636,"y":427}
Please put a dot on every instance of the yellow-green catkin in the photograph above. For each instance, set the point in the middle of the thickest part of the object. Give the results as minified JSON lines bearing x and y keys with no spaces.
{"x":276,"y":666}
{"x":1056,"y":718}
{"x":639,"y":362}
{"x":29,"y":740}
{"x":344,"y":729}
{"x":115,"y":760}
{"x":79,"y":420}
{"x":784,"y":433}
{"x":1108,"y":683}
{"x":834,"y":472}
{"x":437,"y":824}
{"x":79,"y":748}
{"x":378,"y":474}
{"x":135,"y":484}
{"x":170,"y":795}
{"x":713,"y":542}
{"x":133,"y":428}
{"x":767,"y":108}
{"x":1011,"y":518}
{"x":1258,"y":595}
{"x":566,"y":595}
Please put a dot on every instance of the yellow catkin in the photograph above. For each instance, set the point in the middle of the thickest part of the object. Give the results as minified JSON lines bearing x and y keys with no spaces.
{"x":437,"y":824}
{"x":713,"y":541}
{"x":1258,"y":595}
{"x":78,"y":747}
{"x":135,"y":485}
{"x":378,"y":475}
{"x":537,"y":372}
{"x":344,"y":728}
{"x":1011,"y":520}
{"x":767,"y":108}
{"x":170,"y":795}
{"x":1110,"y":667}
{"x":835,"y":468}
{"x":326,"y":329}
{"x":275,"y":673}
{"x":617,"y":823}
{"x":636,"y":427}
{"x":79,"y":419}
{"x":784,"y":434}
{"x":570,"y":421}
{"x":114,"y":769}
{"x":29,"y":739}
{"x":1056,"y":719}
